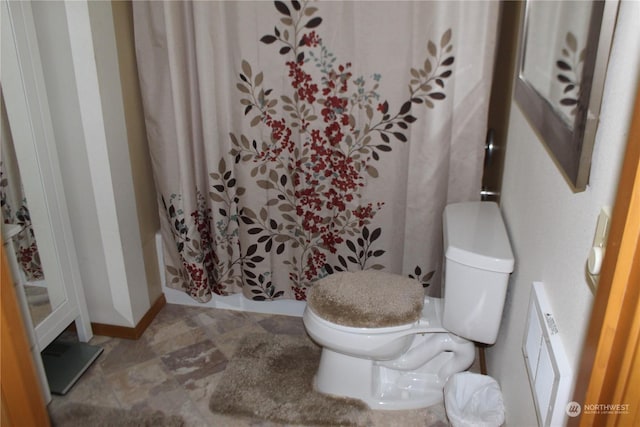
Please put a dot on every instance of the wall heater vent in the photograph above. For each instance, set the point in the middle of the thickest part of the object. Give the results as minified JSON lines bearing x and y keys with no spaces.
{"x":546,"y":361}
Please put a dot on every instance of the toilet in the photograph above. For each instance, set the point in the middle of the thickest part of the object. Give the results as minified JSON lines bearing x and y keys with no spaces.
{"x":385,"y":343}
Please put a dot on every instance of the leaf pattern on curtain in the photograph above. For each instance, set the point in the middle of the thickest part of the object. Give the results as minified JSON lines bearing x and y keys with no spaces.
{"x":325,"y":139}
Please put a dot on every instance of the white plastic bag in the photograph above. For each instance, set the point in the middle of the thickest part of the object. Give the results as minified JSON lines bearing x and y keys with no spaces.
{"x":473,"y":400}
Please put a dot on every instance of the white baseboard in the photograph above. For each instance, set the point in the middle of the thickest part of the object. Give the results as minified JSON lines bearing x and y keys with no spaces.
{"x":238,"y":302}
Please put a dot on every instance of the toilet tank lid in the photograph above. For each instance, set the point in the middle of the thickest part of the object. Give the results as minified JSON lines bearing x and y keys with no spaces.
{"x":475,"y":235}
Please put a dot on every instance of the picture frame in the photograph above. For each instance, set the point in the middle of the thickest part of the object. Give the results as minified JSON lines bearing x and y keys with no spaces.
{"x":560,"y":78}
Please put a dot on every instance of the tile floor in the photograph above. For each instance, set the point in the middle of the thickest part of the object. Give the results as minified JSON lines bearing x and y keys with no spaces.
{"x":176,"y":364}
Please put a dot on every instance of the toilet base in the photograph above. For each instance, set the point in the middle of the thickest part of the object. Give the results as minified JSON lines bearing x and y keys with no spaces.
{"x":406,"y":390}
{"x":396,"y":384}
{"x":343,"y":375}
{"x":379,"y":387}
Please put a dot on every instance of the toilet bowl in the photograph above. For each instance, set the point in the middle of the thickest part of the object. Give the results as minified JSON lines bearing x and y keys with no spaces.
{"x":396,"y":367}
{"x":386,"y":343}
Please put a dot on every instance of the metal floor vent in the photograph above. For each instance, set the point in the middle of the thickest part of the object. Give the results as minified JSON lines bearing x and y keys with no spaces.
{"x":65,"y":362}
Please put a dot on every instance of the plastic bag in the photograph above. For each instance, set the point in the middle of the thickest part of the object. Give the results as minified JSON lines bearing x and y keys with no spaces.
{"x":473,"y":400}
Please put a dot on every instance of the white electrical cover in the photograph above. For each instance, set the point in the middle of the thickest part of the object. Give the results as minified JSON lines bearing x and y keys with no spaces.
{"x":549,"y":372}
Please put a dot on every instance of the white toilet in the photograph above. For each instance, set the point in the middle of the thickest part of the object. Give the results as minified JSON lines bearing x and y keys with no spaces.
{"x":385,"y":343}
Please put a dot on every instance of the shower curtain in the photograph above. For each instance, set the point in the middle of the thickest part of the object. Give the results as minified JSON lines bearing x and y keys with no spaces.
{"x":293,"y":140}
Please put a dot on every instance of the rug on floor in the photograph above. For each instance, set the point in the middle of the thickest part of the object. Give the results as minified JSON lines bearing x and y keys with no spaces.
{"x":83,"y":415}
{"x":270,"y":378}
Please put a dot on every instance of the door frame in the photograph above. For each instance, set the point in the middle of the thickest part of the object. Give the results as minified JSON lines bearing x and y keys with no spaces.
{"x":609,"y":369}
{"x":22,"y":399}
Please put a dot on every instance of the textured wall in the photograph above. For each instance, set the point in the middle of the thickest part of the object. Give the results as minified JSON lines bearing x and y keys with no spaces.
{"x":551,"y":228}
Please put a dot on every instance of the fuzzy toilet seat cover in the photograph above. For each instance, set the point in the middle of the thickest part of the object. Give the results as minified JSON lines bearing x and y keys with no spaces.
{"x":367,"y":299}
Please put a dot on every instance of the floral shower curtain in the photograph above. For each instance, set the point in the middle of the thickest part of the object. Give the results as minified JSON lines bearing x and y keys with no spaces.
{"x":292,"y":140}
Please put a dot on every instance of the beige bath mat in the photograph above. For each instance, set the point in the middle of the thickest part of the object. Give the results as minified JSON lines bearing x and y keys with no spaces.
{"x":270,"y":378}
{"x":82,"y":415}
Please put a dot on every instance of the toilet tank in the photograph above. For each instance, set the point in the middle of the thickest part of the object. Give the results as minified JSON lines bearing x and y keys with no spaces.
{"x":477,"y":263}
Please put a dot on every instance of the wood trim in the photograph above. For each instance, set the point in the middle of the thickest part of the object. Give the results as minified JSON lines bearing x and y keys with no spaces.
{"x":131,"y":333}
{"x":627,"y":274}
{"x":4,"y":416}
{"x":501,"y":94}
{"x":22,"y":400}
{"x":610,"y":355}
{"x":631,"y":395}
{"x":482,"y":359}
